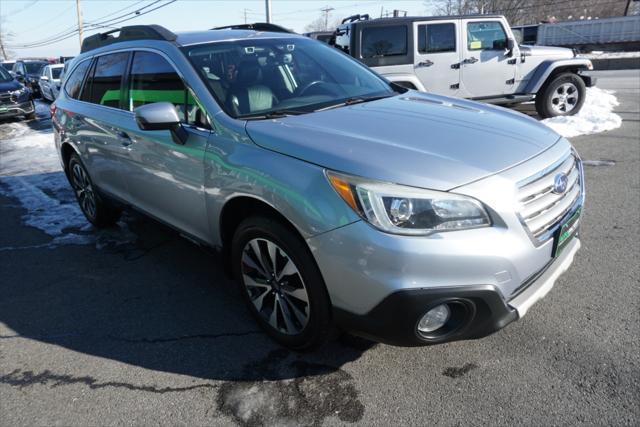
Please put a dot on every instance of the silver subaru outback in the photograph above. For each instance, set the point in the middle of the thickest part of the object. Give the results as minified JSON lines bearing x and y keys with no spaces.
{"x":336,"y":198}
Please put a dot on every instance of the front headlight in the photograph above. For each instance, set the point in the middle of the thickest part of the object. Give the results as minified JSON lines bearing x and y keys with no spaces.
{"x":400,"y":209}
{"x":20,"y":91}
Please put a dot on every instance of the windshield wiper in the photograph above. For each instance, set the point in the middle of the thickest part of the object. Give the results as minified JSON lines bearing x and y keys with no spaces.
{"x":276,"y":114}
{"x":355,"y":100}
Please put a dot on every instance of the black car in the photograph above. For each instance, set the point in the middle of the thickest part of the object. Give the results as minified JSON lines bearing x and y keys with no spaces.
{"x":15,"y":98}
{"x":27,"y":71}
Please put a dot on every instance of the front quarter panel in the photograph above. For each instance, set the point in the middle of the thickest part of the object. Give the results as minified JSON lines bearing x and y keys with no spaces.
{"x":236,"y":167}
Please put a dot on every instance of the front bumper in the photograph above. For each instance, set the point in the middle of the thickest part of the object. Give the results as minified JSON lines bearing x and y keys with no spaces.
{"x":394,"y":320}
{"x":12,"y":109}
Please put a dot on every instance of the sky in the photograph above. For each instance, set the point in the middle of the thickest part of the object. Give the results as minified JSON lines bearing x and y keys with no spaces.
{"x":25,"y":22}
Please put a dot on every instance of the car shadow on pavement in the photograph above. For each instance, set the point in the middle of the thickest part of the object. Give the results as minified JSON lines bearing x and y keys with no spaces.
{"x":159,"y":302}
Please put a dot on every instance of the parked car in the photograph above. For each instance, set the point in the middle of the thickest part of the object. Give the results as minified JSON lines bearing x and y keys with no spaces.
{"x":27,"y":71}
{"x":8,"y":65}
{"x":50,"y":81}
{"x":335,"y":197}
{"x":15,"y":98}
{"x":475,"y":57}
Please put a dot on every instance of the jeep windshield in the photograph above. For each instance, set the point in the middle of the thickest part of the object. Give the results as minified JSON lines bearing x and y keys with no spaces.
{"x":267,"y":78}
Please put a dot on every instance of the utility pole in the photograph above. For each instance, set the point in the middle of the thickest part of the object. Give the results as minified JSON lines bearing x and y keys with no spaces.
{"x":267,"y":4}
{"x":326,"y":11}
{"x":245,"y":14}
{"x":4,"y":52}
{"x":79,"y":10}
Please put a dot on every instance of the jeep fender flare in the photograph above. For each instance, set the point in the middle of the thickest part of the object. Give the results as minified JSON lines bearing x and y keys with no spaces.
{"x":406,"y":78}
{"x":549,"y":67}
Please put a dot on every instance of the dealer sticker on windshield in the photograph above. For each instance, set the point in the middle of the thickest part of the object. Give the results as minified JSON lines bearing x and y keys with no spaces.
{"x":566,"y":232}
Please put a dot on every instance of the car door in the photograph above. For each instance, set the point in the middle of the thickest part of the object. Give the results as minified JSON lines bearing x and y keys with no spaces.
{"x":43,"y":81}
{"x":437,"y":56}
{"x":487,"y":70}
{"x":166,"y":178}
{"x":98,"y":121}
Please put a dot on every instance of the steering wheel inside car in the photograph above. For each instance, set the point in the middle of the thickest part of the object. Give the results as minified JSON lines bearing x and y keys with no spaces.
{"x":314,"y":83}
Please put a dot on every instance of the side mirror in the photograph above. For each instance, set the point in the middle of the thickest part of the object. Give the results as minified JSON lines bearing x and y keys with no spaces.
{"x":511,"y":44}
{"x":44,"y":78}
{"x":161,"y":116}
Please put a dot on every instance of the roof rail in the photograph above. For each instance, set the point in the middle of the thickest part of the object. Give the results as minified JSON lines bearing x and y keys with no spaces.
{"x":258,"y":26}
{"x":132,"y":32}
{"x":353,"y":18}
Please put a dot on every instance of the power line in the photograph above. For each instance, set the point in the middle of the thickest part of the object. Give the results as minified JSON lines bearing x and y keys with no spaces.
{"x":23,"y":9}
{"x":94,"y":26}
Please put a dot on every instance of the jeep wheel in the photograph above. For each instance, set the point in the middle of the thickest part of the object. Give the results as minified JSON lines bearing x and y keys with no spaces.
{"x":562,"y":96}
{"x":98,"y":211}
{"x":281,"y":284}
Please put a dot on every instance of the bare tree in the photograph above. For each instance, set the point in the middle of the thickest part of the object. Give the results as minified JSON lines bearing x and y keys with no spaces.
{"x":5,"y":37}
{"x":322,"y":23}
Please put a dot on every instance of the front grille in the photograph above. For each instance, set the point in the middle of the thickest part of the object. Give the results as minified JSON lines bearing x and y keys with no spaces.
{"x":7,"y":98}
{"x":540,"y":208}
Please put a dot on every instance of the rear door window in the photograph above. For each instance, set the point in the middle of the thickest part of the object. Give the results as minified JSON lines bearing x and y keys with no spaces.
{"x":74,"y":81}
{"x":105,"y":83}
{"x":384,"y":41}
{"x":437,"y":38}
{"x":486,"y":36}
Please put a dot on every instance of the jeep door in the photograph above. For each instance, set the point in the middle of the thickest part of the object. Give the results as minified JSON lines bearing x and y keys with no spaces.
{"x":437,"y":56}
{"x":486,"y":68}
{"x":166,"y":177}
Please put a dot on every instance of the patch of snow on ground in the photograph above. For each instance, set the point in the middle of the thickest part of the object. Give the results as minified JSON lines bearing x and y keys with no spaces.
{"x":595,"y":116}
{"x":30,"y":172}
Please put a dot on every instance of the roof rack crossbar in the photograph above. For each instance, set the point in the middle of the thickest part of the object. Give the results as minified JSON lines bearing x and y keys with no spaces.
{"x":353,"y":18}
{"x":257,"y":26}
{"x":131,"y":32}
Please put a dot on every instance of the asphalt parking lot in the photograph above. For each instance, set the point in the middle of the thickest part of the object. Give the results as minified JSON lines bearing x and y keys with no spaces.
{"x":137,"y":325}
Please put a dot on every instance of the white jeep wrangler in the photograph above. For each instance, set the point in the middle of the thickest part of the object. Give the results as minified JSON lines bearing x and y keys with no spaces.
{"x":473,"y":56}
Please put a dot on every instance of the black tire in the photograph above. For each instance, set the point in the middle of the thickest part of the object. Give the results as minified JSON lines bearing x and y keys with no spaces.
{"x":96,"y":209}
{"x":549,"y":97}
{"x":290,"y":246}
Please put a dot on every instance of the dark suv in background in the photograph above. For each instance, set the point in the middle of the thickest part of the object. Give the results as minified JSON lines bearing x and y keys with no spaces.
{"x":15,"y":99}
{"x":27,"y":71}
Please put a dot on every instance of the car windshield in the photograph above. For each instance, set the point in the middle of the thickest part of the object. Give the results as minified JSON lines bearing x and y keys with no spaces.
{"x":55,"y":72}
{"x":7,"y":65}
{"x":263,"y":77}
{"x":34,"y":67}
{"x":4,"y":75}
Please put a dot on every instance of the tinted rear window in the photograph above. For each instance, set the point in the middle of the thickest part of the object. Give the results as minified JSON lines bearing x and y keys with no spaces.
{"x":104,"y":86}
{"x":384,"y":41}
{"x":437,"y":38}
{"x":55,"y":72}
{"x":74,"y":81}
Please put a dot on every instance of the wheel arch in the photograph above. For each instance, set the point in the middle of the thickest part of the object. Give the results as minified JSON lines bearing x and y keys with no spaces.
{"x":66,"y":150}
{"x":551,"y":68}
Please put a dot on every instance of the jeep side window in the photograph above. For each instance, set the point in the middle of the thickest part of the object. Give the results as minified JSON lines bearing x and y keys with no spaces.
{"x":343,"y":38}
{"x":153,"y":79}
{"x":384,"y":41}
{"x":437,"y":38}
{"x":106,"y":81}
{"x":486,"y":35}
{"x":74,"y":81}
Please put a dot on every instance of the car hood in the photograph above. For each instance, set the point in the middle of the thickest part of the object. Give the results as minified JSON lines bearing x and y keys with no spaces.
{"x":414,"y":139}
{"x":6,"y":86}
{"x":555,"y":52}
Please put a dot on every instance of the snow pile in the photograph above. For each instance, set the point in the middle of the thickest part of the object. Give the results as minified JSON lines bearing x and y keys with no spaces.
{"x":595,"y":116}
{"x":30,"y":172}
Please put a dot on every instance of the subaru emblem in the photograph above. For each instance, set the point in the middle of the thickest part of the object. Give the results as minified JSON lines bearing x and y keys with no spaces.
{"x":560,"y":183}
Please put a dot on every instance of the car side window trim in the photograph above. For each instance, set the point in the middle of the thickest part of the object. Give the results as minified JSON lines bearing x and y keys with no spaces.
{"x":423,"y":31}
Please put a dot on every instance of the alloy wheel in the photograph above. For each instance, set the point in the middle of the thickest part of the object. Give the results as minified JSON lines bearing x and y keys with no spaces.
{"x":565,"y":98}
{"x":275,"y":286}
{"x":84,"y":190}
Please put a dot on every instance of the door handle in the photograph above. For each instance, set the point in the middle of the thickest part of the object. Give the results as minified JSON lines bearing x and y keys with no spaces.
{"x":471,"y":60}
{"x":125,"y":140}
{"x":425,"y":63}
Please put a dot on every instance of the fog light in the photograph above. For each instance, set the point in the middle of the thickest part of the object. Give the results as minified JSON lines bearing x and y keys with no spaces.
{"x":434,"y":319}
